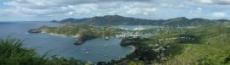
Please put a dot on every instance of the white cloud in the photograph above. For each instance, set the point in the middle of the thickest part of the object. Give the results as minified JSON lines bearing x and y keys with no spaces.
{"x":206,"y":1}
{"x":199,"y":9}
{"x":219,"y":14}
{"x":219,"y":2}
{"x":60,"y":9}
{"x":71,"y":8}
{"x":138,"y":9}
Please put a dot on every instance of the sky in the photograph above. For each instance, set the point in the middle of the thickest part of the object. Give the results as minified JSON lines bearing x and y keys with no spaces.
{"x":44,"y":10}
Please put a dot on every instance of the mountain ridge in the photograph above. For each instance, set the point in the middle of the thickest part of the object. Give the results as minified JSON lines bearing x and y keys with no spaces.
{"x":121,"y":20}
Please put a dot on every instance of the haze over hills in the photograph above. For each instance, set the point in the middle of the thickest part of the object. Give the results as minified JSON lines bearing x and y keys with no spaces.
{"x":121,"y":20}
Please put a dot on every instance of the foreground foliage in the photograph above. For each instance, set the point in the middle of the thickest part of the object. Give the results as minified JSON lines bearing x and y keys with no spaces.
{"x":12,"y":53}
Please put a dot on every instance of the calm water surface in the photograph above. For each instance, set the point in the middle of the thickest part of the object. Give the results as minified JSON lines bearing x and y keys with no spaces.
{"x":93,"y":50}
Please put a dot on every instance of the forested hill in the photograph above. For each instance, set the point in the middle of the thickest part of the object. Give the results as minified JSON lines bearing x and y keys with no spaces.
{"x":121,"y":20}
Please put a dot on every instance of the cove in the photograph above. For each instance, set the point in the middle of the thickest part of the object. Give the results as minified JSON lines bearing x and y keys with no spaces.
{"x":93,"y":50}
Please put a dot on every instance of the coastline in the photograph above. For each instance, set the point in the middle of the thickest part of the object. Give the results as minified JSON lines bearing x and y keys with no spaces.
{"x":60,"y":35}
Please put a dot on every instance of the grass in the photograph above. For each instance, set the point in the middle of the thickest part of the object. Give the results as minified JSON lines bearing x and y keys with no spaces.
{"x":212,"y":50}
